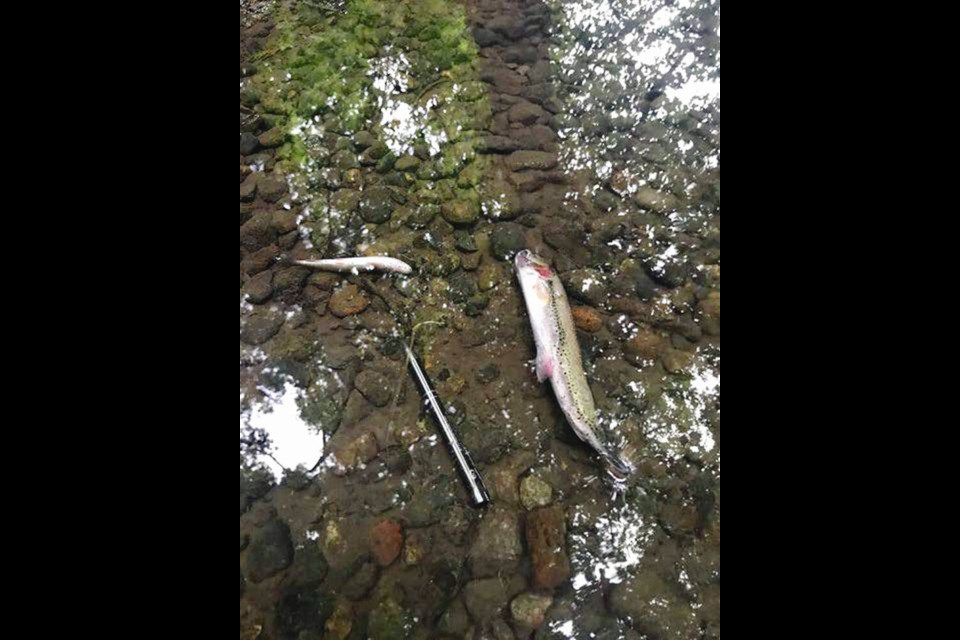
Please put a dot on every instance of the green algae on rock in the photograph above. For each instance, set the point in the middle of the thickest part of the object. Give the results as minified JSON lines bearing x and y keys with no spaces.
{"x":384,"y":114}
{"x":400,"y":78}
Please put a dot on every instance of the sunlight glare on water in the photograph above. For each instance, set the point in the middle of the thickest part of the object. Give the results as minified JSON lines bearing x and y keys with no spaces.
{"x":293,"y":443}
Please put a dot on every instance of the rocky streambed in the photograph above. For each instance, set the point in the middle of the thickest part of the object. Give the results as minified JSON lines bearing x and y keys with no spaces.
{"x":453,"y":135}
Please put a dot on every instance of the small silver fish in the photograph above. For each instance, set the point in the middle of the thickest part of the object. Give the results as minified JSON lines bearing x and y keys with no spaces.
{"x":347,"y":265}
{"x":558,"y":355}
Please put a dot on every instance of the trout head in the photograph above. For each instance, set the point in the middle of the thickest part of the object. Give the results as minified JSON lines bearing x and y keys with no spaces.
{"x":535,"y":276}
{"x":529,"y":263}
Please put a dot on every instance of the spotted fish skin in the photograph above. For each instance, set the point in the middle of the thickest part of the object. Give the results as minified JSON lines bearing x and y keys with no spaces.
{"x":558,"y":352}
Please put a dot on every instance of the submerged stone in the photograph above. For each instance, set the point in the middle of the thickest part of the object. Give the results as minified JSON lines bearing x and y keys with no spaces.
{"x":654,"y":200}
{"x":345,"y":201}
{"x":489,"y":277}
{"x":455,"y":620}
{"x":462,"y":287}
{"x":377,"y":205}
{"x":271,"y":551}
{"x":260,"y":327}
{"x":498,"y":144}
{"x":271,"y":189}
{"x":461,"y":212}
{"x":259,"y":289}
{"x":407,"y":164}
{"x":547,"y":539}
{"x":389,"y":621}
{"x":498,"y":546}
{"x":348,"y":300}
{"x":476,"y":305}
{"x":587,"y":319}
{"x":375,"y":387}
{"x":273,"y":138}
{"x":650,"y":605}
{"x":524,"y":160}
{"x":486,"y":599}
{"x":535,"y":493}
{"x":586,"y":285}
{"x":637,"y":276}
{"x":465,"y":242}
{"x":507,"y":240}
{"x":361,"y":582}
{"x":530,"y":609}
{"x":248,"y":143}
{"x":526,"y":113}
{"x":258,"y":232}
{"x":646,"y":344}
{"x":340,"y":624}
{"x":386,"y":540}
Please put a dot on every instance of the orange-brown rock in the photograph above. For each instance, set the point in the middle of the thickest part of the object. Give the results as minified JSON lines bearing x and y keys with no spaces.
{"x":587,"y":319}
{"x":547,"y":539}
{"x":386,"y":540}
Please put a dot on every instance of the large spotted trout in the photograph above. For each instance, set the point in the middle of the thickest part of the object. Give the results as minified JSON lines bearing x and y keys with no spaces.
{"x":558,"y":355}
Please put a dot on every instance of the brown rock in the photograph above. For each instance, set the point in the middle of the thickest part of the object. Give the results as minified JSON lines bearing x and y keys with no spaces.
{"x":386,"y":540}
{"x":523,"y":160}
{"x":504,"y":80}
{"x":498,"y":546}
{"x":547,"y":539}
{"x":525,"y":113}
{"x":270,"y":188}
{"x":260,"y":260}
{"x":537,"y":137}
{"x":284,"y":221}
{"x":348,"y":300}
{"x":288,"y":283}
{"x":248,"y":188}
{"x":530,"y":609}
{"x":324,"y":281}
{"x":258,"y":232}
{"x":587,"y":319}
{"x":646,"y":345}
{"x":259,"y":289}
{"x":367,"y":448}
{"x":676,"y":361}
{"x":273,"y":138}
{"x":498,"y":144}
{"x":656,"y":201}
{"x":680,"y":519}
{"x":504,"y":476}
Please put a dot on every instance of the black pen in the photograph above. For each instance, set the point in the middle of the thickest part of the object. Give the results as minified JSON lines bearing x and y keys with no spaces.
{"x":468,"y":472}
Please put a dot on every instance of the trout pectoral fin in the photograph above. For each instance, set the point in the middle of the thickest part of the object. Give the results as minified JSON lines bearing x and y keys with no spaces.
{"x":542,"y":292}
{"x":544,"y":367}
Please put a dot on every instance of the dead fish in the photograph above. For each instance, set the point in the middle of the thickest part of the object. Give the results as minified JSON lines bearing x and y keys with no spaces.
{"x":558,"y":355}
{"x":349,"y":265}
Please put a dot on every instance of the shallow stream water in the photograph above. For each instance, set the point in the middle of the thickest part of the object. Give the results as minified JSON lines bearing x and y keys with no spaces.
{"x":453,"y":134}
